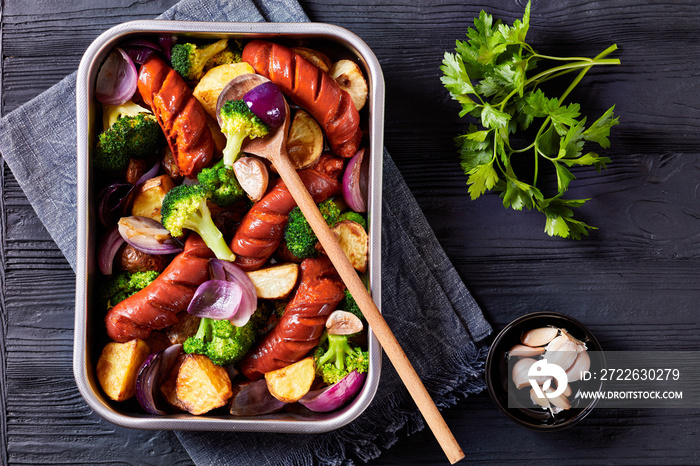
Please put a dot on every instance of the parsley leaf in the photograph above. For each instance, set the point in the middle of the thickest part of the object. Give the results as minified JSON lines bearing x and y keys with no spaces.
{"x":492,"y":75}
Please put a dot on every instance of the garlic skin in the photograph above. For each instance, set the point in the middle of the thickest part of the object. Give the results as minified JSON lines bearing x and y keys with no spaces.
{"x":539,"y":336}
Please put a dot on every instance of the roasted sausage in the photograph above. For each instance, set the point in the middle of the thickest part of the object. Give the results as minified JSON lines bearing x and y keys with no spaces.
{"x":262,"y":227}
{"x":302,"y":323}
{"x":179,"y":114}
{"x":156,"y":306}
{"x":313,"y":89}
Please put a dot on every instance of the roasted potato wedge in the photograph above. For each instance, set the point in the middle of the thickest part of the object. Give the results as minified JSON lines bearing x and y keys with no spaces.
{"x":291,"y":383}
{"x":319,"y":59}
{"x":275,"y":282}
{"x":167,"y":388}
{"x":349,"y":77}
{"x":212,"y":83}
{"x":149,"y":197}
{"x":201,"y":385}
{"x":185,"y":327}
{"x":354,"y":241}
{"x":216,"y":134}
{"x":118,"y":367}
{"x":253,"y":175}
{"x":305,"y":141}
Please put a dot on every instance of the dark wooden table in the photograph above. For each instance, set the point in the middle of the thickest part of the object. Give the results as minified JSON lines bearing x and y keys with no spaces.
{"x":635,"y":281}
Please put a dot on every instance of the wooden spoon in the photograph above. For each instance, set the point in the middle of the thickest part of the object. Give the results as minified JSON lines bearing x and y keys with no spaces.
{"x":273,"y":147}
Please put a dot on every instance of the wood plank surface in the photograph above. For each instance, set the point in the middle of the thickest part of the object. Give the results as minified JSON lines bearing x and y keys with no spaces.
{"x":635,"y":281}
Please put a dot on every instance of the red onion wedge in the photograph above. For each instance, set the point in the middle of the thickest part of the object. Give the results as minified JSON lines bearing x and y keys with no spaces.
{"x":230,"y":272}
{"x":334,"y":396}
{"x":139,"y":55}
{"x":355,"y":182}
{"x":166,"y":42}
{"x":255,"y":399}
{"x":113,"y":202}
{"x":107,"y":250}
{"x":154,"y":370}
{"x":267,"y":102}
{"x":117,"y":79}
{"x":148,"y":236}
{"x":216,"y":299}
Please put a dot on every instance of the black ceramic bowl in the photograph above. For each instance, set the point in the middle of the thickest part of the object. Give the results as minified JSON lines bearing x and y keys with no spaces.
{"x":501,"y":386}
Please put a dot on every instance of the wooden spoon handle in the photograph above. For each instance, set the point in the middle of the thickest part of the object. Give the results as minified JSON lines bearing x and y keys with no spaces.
{"x":374,"y":318}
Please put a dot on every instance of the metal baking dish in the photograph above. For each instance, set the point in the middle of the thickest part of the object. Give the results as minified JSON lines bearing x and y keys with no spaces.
{"x":90,"y":334}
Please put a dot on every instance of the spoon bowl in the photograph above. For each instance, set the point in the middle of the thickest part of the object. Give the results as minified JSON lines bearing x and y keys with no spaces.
{"x":275,"y":143}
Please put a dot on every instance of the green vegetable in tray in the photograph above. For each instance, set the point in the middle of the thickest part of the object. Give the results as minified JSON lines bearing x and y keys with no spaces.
{"x":185,"y":206}
{"x":492,"y":75}
{"x":223,"y":342}
{"x":189,"y":59}
{"x":348,"y":304}
{"x":336,"y":358}
{"x":298,"y":234}
{"x":231,"y":54}
{"x":353,"y":216}
{"x":238,"y":123}
{"x":130,"y":132}
{"x":116,"y":288}
{"x":221,"y":184}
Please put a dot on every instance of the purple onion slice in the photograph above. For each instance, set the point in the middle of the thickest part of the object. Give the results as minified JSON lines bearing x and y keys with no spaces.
{"x":113,"y":202}
{"x":148,"y":236}
{"x":334,"y":396}
{"x":117,"y":79}
{"x":228,"y":271}
{"x":107,"y":250}
{"x":166,"y":42}
{"x":216,"y":299}
{"x":151,"y":375}
{"x":151,"y":173}
{"x":355,"y":182}
{"x":139,"y":55}
{"x":267,"y":102}
{"x":255,"y":399}
{"x":141,"y":42}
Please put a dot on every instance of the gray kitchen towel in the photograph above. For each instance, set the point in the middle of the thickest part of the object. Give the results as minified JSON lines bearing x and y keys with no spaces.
{"x":431,"y":312}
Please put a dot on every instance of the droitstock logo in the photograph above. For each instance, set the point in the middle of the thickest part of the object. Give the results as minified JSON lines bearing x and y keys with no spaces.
{"x":543,"y":370}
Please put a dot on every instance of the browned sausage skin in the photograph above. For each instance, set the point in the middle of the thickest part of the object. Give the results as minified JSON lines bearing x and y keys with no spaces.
{"x":156,"y":306}
{"x":179,"y":114}
{"x":313,"y":89}
{"x":262,"y":228}
{"x":303,"y":321}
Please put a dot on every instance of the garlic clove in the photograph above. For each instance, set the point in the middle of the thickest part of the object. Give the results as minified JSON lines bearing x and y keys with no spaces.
{"x":561,"y":351}
{"x":539,"y":336}
{"x":567,"y":391}
{"x":559,"y":401}
{"x":580,"y":346}
{"x":343,"y":323}
{"x":525,"y":351}
{"x":543,"y":402}
{"x":581,"y":364}
{"x":520,"y":370}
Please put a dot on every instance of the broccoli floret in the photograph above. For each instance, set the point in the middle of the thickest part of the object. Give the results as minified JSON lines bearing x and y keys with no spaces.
{"x":221,"y":341}
{"x":354,"y":216}
{"x":231,"y":54}
{"x":298,"y":234}
{"x":221,"y":184}
{"x":188,"y":59}
{"x":348,"y":304}
{"x":185,"y":206}
{"x":117,"y":288}
{"x":238,"y":123}
{"x":131,"y":133}
{"x":339,"y":359}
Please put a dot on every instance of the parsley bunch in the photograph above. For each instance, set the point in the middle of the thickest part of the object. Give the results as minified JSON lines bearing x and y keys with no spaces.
{"x":492,"y":77}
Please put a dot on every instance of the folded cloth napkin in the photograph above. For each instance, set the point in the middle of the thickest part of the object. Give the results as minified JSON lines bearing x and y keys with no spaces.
{"x":431,"y":312}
